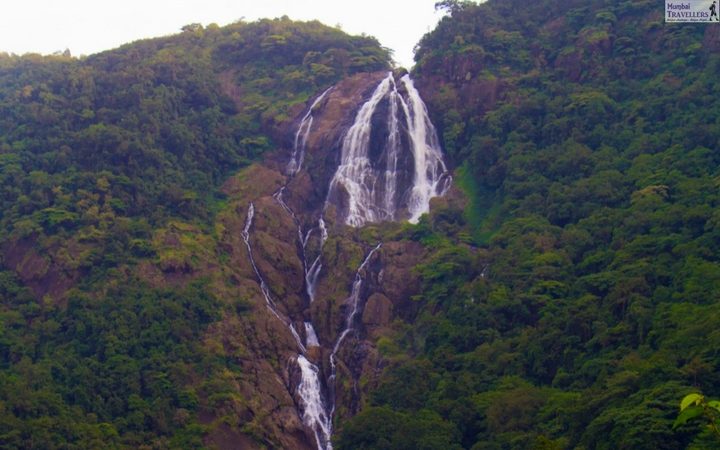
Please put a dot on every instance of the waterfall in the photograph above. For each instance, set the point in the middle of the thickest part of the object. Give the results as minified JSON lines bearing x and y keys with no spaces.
{"x":246,"y":238}
{"x":431,"y":175}
{"x":314,"y":411}
{"x":301,"y":136}
{"x":355,"y":173}
{"x":263,"y":286}
{"x":311,"y":339}
{"x":410,"y":169}
{"x":310,"y":388}
{"x":390,"y":166}
{"x":392,"y":154}
{"x":312,"y":273}
{"x":317,"y":412}
{"x":354,"y":301}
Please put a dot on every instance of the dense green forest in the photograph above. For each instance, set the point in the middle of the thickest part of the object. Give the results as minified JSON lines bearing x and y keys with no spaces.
{"x":577,"y":298}
{"x":96,"y":155}
{"x":571,"y":303}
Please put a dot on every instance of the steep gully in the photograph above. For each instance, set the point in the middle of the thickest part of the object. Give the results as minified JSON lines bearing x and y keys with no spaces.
{"x":390,"y":166}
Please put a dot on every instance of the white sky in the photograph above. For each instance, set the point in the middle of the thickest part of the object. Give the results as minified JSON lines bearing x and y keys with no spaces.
{"x":90,"y":26}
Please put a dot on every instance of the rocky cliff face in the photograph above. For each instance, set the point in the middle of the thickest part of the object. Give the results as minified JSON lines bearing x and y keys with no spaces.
{"x":286,"y":236}
{"x":296,"y":279}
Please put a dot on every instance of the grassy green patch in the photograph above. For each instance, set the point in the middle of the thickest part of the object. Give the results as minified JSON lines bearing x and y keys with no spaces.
{"x":482,"y":211}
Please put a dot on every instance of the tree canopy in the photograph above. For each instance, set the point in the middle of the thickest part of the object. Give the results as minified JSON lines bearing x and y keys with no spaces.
{"x":110,"y":162}
{"x":575,"y":300}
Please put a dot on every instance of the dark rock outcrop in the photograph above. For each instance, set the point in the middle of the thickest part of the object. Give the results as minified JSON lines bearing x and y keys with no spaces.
{"x":265,"y":410}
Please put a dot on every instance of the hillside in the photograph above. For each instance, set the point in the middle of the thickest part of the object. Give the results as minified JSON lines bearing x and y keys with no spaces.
{"x":585,"y":134}
{"x":117,"y":289}
{"x":204,"y":238}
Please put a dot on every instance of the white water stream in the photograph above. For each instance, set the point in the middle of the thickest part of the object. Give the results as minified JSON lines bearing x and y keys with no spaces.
{"x":374,"y":194}
{"x":373,"y":188}
{"x":301,"y":137}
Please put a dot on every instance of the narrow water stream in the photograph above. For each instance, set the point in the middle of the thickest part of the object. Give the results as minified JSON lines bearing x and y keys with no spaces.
{"x":375,"y":192}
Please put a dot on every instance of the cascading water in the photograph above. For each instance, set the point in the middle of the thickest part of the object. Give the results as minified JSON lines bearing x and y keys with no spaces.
{"x":389,"y":172}
{"x":301,"y":136}
{"x":310,"y":387}
{"x":431,"y":176}
{"x":410,"y":170}
{"x":312,"y":273}
{"x":355,"y":173}
{"x":354,"y":302}
{"x":246,"y":238}
{"x":313,"y":270}
{"x":392,"y":154}
{"x":311,"y":339}
{"x":314,"y":411}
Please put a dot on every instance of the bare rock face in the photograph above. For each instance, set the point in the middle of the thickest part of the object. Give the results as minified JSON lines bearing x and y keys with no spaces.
{"x":307,"y":190}
{"x":357,"y":292}
{"x":398,"y":281}
{"x":49,"y":269}
{"x":257,"y":341}
{"x":378,"y":311}
{"x":257,"y":259}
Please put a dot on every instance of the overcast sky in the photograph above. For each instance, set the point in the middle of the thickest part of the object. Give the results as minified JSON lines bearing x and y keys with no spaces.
{"x":90,"y":26}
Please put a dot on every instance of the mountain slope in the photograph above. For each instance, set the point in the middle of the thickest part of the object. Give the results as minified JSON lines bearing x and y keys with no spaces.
{"x":566,"y":298}
{"x":123,"y":321}
{"x":586,"y":138}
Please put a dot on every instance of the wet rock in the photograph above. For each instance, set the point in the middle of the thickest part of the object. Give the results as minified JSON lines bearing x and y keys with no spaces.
{"x":49,"y":269}
{"x":378,"y":311}
{"x":315,"y":354}
{"x":259,"y":343}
